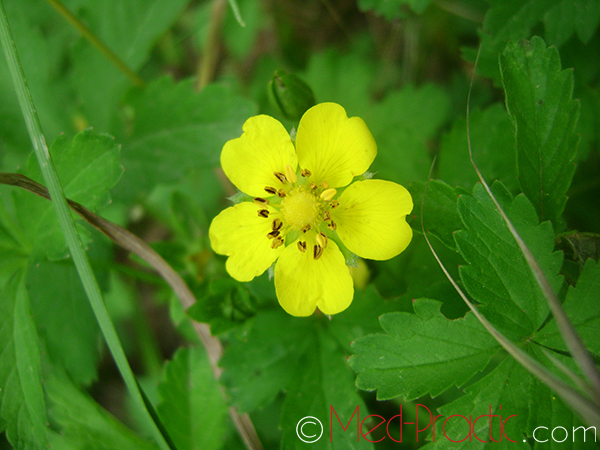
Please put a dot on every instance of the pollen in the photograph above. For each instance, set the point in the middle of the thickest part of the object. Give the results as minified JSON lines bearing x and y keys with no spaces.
{"x":301,"y":209}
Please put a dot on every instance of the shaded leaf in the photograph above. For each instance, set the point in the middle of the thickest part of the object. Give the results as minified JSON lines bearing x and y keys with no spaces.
{"x":192,"y":409}
{"x":22,"y":405}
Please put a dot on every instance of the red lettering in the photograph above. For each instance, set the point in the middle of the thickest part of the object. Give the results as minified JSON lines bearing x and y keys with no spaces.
{"x":417,"y":420}
{"x":504,"y":424}
{"x":372,"y":429}
{"x":468,"y":434}
{"x":332,"y":412}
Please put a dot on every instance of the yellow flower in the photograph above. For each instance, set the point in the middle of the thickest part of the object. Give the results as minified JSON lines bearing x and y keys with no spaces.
{"x":300,"y":214}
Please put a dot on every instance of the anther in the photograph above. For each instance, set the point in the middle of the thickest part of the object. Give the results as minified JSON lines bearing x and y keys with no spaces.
{"x":302,"y":246}
{"x":332,"y":226}
{"x":261,"y":201}
{"x":281,"y":177}
{"x":305,"y":173}
{"x":306,"y":228}
{"x":326,"y":216}
{"x":277,"y":242}
{"x":270,"y":190}
{"x":322,"y":240}
{"x":328,"y":194}
{"x":334,"y":204}
{"x":317,"y":251}
{"x":324,"y":184}
{"x":281,"y":193}
{"x":276,"y":225}
{"x":312,"y":185}
{"x":263,"y":213}
{"x":290,"y":174}
{"x":273,"y":234}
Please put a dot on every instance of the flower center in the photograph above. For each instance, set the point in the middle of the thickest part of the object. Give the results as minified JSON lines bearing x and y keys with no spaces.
{"x":300,"y":208}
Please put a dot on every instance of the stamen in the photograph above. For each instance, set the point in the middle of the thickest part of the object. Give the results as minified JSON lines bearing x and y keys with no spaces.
{"x":328,"y":194}
{"x":322,"y":240}
{"x":325,"y":184}
{"x":281,"y":177}
{"x":326,"y":216}
{"x":270,"y":190}
{"x":273,"y":234}
{"x":290,"y":174}
{"x":281,"y":193}
{"x":312,"y":185}
{"x":334,"y":204}
{"x":277,"y":242}
{"x":317,"y":251}
{"x":332,"y":226}
{"x":261,"y":201}
{"x":302,"y":246}
{"x":276,"y":225}
{"x":306,"y":228}
{"x":305,"y":173}
{"x":263,"y":213}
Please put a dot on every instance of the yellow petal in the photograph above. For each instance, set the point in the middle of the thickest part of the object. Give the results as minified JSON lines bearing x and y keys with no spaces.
{"x":332,"y":146}
{"x":265,"y":147}
{"x":303,"y":283}
{"x":371,"y":218}
{"x":241,"y":234}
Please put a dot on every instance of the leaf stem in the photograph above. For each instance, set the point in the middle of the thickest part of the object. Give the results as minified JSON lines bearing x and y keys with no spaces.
{"x":96,"y":42}
{"x":67,"y":223}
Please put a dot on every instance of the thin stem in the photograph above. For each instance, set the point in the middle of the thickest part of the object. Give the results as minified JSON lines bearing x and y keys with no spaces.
{"x":96,"y":42}
{"x":210,"y":53}
{"x":67,"y":224}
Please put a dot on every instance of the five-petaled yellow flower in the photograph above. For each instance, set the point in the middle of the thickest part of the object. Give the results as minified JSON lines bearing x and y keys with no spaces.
{"x":301,"y":212}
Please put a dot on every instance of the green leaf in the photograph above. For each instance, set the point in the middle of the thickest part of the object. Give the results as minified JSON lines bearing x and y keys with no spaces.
{"x":403,"y":124}
{"x":582,"y":308}
{"x":192,"y":409}
{"x":440,"y":210}
{"x":22,"y":404}
{"x":502,"y":393}
{"x":492,"y":142}
{"x":88,"y":166}
{"x":422,"y":353}
{"x":497,"y":275}
{"x":130,"y":29}
{"x":258,"y":369}
{"x":569,"y":17}
{"x":13,"y":247}
{"x":174,"y":130}
{"x":65,"y":319}
{"x":538,"y":98}
{"x":85,"y":424}
{"x":301,"y":357}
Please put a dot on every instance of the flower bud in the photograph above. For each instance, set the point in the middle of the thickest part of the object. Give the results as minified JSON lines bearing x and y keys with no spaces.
{"x":290,"y":95}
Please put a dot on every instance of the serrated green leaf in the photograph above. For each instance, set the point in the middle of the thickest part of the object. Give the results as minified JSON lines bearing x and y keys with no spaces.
{"x":65,"y":319}
{"x":88,"y":166}
{"x":129,"y":29}
{"x":324,"y":382}
{"x":421,"y":353}
{"x":85,"y":424}
{"x":192,"y":409}
{"x":258,"y":369}
{"x":582,"y":308}
{"x":507,"y":20}
{"x":497,"y":275}
{"x":174,"y":130}
{"x":22,"y":405}
{"x":440,"y":210}
{"x":492,"y":143}
{"x":539,"y":101}
{"x":502,"y":393}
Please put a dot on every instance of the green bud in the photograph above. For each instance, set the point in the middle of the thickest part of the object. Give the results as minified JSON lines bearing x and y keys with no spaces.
{"x":290,"y":94}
